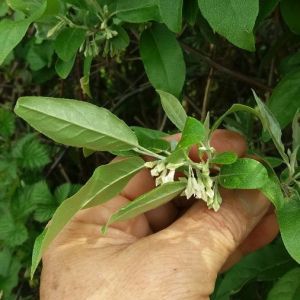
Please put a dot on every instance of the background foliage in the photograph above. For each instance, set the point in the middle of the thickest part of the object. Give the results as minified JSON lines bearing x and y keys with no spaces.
{"x":208,"y":57}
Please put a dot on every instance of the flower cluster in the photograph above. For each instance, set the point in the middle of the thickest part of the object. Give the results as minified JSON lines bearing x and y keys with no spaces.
{"x":163,"y":172}
{"x":199,"y":183}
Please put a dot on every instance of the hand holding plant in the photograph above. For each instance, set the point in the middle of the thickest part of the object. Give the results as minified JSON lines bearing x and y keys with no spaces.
{"x":157,"y":254}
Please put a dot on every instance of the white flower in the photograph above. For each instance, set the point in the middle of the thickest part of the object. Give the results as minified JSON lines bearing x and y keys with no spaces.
{"x":160,"y":180}
{"x":174,"y":166}
{"x":169,"y":177}
{"x":151,"y":164}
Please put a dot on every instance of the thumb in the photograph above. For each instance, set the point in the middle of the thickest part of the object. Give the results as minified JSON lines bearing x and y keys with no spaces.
{"x":212,"y":237}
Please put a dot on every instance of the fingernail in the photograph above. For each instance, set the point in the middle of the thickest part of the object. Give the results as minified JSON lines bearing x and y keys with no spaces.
{"x":254,"y":202}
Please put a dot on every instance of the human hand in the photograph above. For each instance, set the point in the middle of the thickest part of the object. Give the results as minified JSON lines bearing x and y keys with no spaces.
{"x":173,"y":252}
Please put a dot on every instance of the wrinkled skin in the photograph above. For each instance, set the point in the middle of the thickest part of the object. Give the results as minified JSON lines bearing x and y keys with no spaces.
{"x":173,"y":252}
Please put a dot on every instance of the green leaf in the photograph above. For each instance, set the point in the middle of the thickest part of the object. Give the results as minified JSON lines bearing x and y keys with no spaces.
{"x":224,"y":158}
{"x":285,"y":99}
{"x":85,"y":85}
{"x":125,"y":153}
{"x":64,"y":68}
{"x":171,"y":13}
{"x":5,"y":261}
{"x":287,"y":287}
{"x":106,"y":182}
{"x":28,"y":7}
{"x":76,"y":123}
{"x":273,"y":192}
{"x":136,"y":11}
{"x":80,"y":4}
{"x":296,"y":130}
{"x":178,"y":156}
{"x":173,"y":109}
{"x":68,"y":42}
{"x":122,"y":40}
{"x":245,"y":173}
{"x":62,"y":192}
{"x":8,"y":282}
{"x":40,"y":55}
{"x":232,"y":19}
{"x":272,"y":126}
{"x":3,"y":9}
{"x":273,"y":161}
{"x":13,"y":233}
{"x":155,"y":145}
{"x":7,"y":123}
{"x":12,"y":32}
{"x":193,"y":133}
{"x":88,"y":152}
{"x":289,"y":223}
{"x":146,"y":202}
{"x":151,"y":139}
{"x":290,"y":10}
{"x":31,"y":155}
{"x":148,"y":133}
{"x":163,"y":59}
{"x":233,"y":109}
{"x":268,"y":263}
{"x":190,"y":11}
{"x":265,"y":9}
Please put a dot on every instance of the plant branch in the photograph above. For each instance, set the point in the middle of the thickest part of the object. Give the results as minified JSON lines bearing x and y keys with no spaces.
{"x":223,"y":69}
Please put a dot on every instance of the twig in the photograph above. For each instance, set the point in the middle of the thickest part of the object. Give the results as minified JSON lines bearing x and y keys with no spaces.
{"x":223,"y":69}
{"x":272,"y":68}
{"x":191,"y":102}
{"x":64,"y":174}
{"x":206,"y":94}
{"x":56,"y":162}
{"x":207,"y":87}
{"x":125,"y":97}
{"x":140,"y":122}
{"x":163,"y":123}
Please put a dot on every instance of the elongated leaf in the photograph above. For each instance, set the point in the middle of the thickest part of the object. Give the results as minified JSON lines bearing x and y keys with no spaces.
{"x":232,"y":19}
{"x":136,"y":11}
{"x":163,"y":59}
{"x":233,"y":109}
{"x":268,"y":263}
{"x":68,"y":42}
{"x":173,"y":109}
{"x":224,"y":158}
{"x":193,"y":133}
{"x":64,"y":68}
{"x":287,"y":287}
{"x":265,"y":9}
{"x":272,"y":126}
{"x":76,"y":123}
{"x":171,"y":12}
{"x":289,"y":223}
{"x":154,"y":145}
{"x":146,"y":202}
{"x":296,"y":130}
{"x":285,"y":99}
{"x":149,"y":133}
{"x":151,"y":139}
{"x":273,"y":192}
{"x":28,"y":7}
{"x":190,"y":11}
{"x":12,"y":32}
{"x":106,"y":182}
{"x":245,"y":173}
{"x":290,"y":10}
